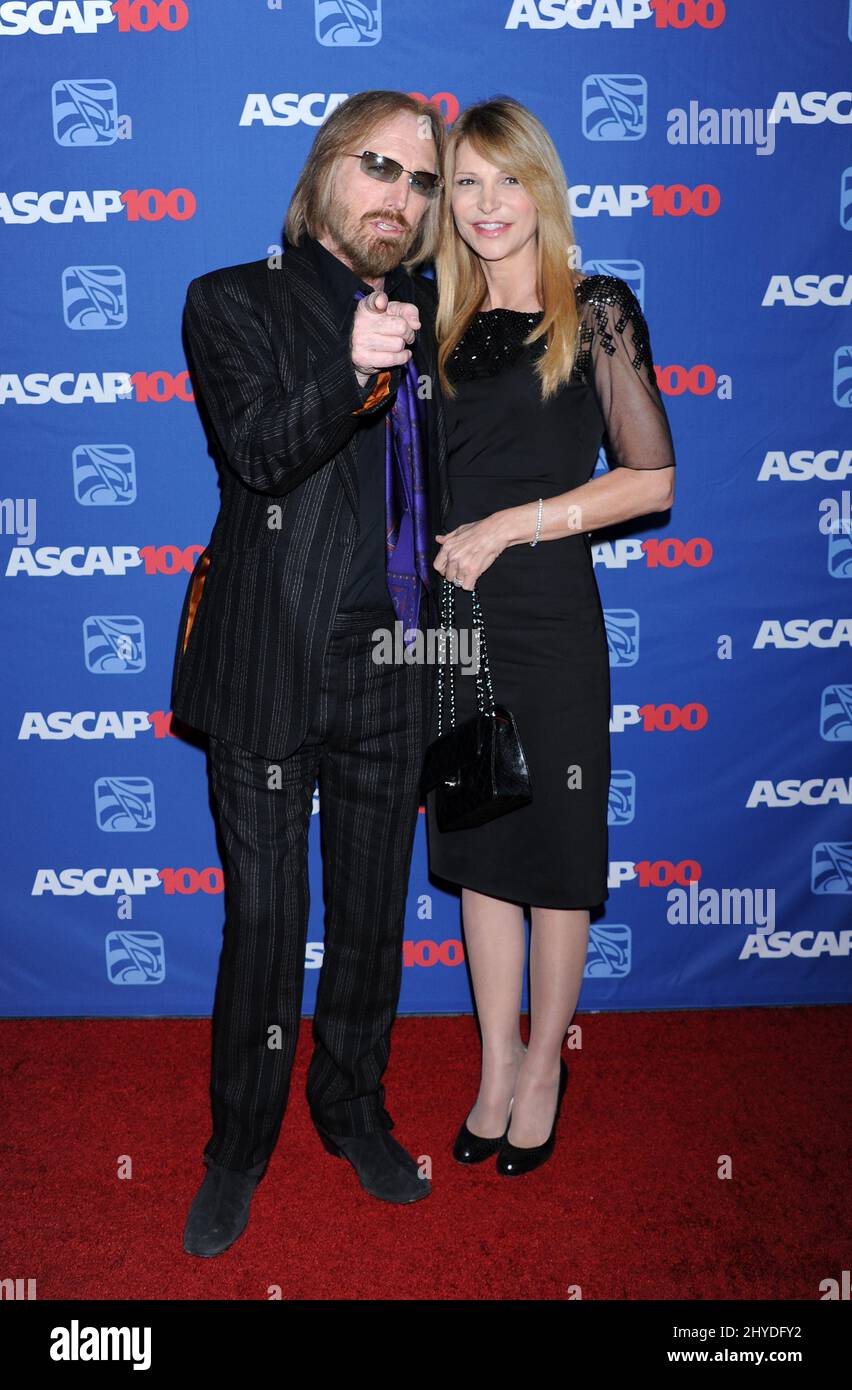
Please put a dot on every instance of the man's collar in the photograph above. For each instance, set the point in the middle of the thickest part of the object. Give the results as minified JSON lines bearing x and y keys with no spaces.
{"x":340,"y":281}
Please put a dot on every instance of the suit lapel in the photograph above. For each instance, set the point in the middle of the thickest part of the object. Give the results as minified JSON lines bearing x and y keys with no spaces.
{"x":321,"y":329}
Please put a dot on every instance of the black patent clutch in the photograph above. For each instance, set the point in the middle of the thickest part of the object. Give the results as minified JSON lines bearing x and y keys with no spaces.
{"x":477,"y":769}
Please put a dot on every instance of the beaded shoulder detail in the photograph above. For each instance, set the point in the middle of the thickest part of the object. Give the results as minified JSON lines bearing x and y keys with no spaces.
{"x":607,"y":305}
{"x":494,"y":338}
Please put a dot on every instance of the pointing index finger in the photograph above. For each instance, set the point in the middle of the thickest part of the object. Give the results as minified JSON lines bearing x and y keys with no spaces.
{"x":402,"y":309}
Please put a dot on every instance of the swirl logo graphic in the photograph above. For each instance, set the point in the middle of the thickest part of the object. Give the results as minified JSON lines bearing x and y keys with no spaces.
{"x":610,"y":953}
{"x":842,"y":385}
{"x":348,"y":23}
{"x":104,"y":475}
{"x":621,"y":808}
{"x":94,"y":296}
{"x":840,"y":556}
{"x":835,"y":715}
{"x":135,"y":958}
{"x":622,"y":635}
{"x":124,"y":804}
{"x":846,"y":200}
{"x":85,"y":112}
{"x":114,"y":646}
{"x":614,"y":106}
{"x":831,"y":868}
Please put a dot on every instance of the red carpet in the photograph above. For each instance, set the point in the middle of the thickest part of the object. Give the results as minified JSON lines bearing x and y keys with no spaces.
{"x":629,"y":1207}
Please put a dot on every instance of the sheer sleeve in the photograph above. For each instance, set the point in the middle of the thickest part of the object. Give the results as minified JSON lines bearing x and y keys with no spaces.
{"x":615,"y":358}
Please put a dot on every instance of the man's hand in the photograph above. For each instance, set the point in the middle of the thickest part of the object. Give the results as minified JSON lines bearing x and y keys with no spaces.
{"x":381,"y":330}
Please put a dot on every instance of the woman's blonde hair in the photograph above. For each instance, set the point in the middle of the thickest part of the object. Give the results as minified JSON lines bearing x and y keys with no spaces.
{"x":505,"y":133}
{"x":345,"y":131}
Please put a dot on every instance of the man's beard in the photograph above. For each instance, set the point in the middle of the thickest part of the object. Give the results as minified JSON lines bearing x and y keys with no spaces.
{"x":368,"y":252}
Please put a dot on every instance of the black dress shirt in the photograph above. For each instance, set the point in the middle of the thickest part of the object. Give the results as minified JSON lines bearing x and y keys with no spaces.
{"x":366,"y":582}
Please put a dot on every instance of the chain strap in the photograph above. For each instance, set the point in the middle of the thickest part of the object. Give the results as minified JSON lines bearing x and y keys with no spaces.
{"x":448,"y":590}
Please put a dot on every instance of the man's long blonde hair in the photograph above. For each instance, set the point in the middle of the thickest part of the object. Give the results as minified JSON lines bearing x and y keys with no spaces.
{"x":505,"y":133}
{"x":345,"y":132}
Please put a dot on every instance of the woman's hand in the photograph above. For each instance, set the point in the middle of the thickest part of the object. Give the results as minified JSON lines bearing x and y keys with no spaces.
{"x":470,"y":549}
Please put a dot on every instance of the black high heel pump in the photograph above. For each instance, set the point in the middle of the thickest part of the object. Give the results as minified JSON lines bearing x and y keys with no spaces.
{"x":474,"y":1148}
{"x":512,"y":1161}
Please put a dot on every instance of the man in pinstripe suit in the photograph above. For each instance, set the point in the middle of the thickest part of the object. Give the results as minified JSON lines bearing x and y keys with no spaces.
{"x":295,"y":375}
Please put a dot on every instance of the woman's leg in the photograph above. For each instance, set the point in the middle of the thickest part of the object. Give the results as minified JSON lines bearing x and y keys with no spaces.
{"x":495,"y":943}
{"x":559,"y":941}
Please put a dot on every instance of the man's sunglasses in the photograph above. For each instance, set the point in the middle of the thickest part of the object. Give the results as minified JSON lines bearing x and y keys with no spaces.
{"x":378,"y":166}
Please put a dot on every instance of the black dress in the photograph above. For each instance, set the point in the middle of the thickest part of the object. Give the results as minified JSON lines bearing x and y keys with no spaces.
{"x":541,"y":608}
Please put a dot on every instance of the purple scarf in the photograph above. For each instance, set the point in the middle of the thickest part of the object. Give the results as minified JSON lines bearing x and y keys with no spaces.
{"x":406,"y":514}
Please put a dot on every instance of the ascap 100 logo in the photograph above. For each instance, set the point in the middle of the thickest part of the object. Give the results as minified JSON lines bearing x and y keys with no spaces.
{"x":97,"y":205}
{"x":625,"y":199}
{"x":615,"y":14}
{"x":47,"y":18}
{"x":801,"y":465}
{"x":314,"y":108}
{"x":84,"y":561}
{"x":806,"y":291}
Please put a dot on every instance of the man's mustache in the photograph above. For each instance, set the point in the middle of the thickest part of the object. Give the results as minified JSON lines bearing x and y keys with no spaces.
{"x":382,"y":217}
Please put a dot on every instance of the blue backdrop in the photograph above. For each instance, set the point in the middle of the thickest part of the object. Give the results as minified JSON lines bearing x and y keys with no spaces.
{"x":708,"y":151}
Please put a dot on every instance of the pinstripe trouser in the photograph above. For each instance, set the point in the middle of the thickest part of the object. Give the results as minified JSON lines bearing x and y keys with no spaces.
{"x":365,"y":744}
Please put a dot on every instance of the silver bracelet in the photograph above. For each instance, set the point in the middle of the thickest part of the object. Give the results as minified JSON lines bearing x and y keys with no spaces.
{"x":537,"y":524}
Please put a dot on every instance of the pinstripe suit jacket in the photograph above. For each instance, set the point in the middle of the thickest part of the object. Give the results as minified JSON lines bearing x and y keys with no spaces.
{"x":279,"y":398}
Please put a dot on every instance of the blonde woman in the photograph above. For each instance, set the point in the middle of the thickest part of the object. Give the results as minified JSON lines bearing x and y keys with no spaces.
{"x":538,"y":364}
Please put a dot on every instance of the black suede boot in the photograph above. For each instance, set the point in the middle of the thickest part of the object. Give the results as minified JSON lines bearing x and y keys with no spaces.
{"x":220,"y":1211}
